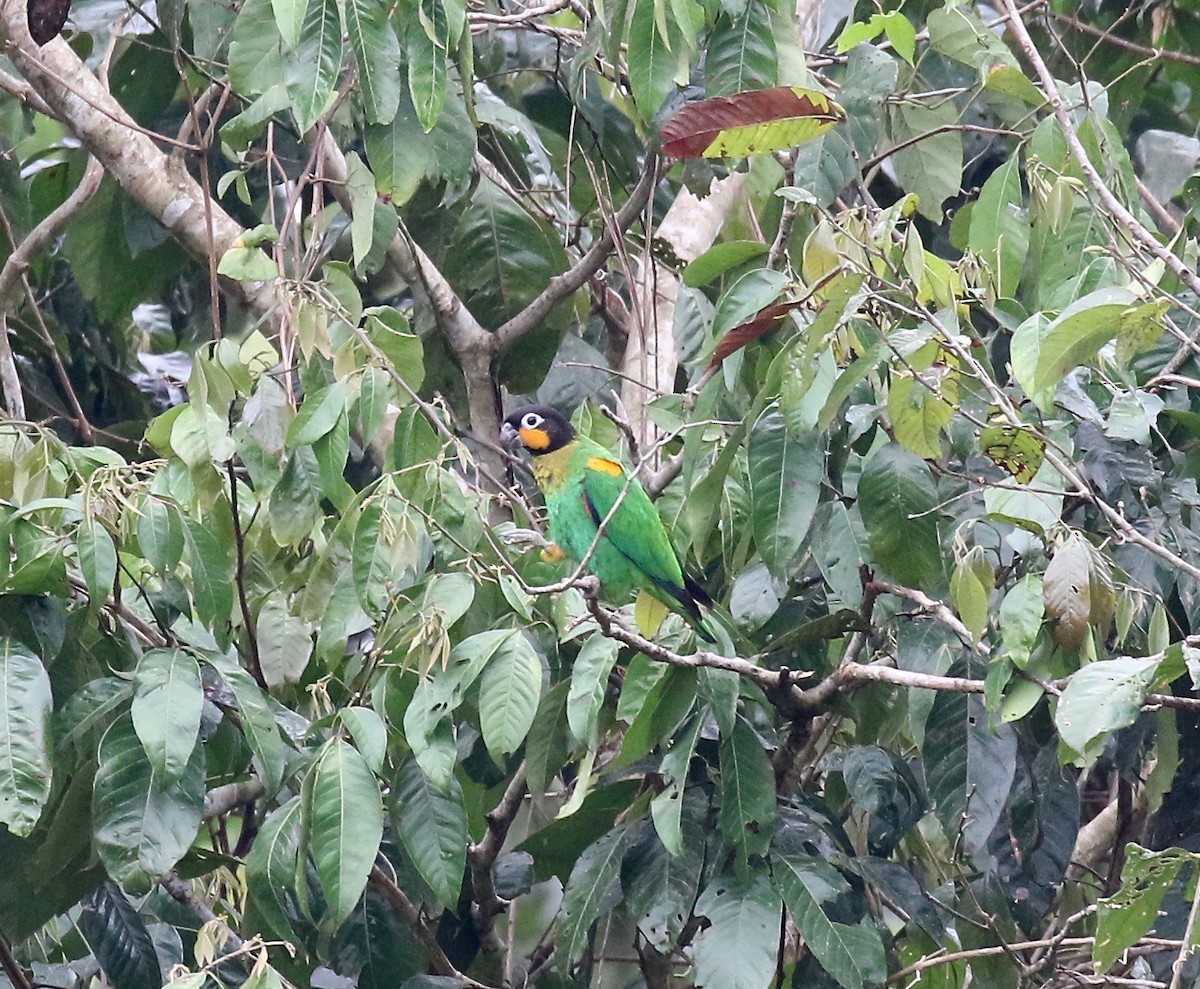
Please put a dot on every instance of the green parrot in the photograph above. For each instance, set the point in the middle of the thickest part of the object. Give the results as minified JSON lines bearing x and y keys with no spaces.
{"x":581,"y":481}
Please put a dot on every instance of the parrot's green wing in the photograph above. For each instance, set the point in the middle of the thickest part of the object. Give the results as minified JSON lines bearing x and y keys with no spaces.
{"x":634,"y":530}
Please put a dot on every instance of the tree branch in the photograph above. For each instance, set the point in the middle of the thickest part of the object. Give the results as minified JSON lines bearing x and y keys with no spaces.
{"x":482,"y":857}
{"x":8,"y":962}
{"x":220,"y":800}
{"x":159,"y":183}
{"x":239,"y":545}
{"x":1117,"y":209}
{"x":570,"y":281}
{"x":411,"y":915}
{"x":37,"y":240}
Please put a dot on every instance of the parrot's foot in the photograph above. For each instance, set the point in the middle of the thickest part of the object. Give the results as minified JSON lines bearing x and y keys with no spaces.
{"x":551,"y":552}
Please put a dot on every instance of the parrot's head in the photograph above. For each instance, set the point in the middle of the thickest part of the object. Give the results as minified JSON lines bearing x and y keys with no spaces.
{"x":538,"y":428}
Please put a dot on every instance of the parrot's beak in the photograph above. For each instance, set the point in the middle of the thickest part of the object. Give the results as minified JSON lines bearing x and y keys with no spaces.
{"x":509,"y":437}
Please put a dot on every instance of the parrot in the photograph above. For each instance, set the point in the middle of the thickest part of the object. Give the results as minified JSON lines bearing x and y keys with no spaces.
{"x":581,"y":481}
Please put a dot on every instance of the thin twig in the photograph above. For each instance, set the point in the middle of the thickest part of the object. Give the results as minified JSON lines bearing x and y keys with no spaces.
{"x":36,"y":241}
{"x":239,"y":545}
{"x":1114,"y":206}
{"x":16,"y":974}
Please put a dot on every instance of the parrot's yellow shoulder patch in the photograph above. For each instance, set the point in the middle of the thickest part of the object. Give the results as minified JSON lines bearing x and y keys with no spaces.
{"x":605,"y":466}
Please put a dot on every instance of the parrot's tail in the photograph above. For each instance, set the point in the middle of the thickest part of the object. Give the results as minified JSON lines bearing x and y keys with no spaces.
{"x":694,"y":600}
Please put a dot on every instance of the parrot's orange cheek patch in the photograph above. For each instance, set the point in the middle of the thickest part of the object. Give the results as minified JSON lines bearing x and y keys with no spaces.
{"x":535,"y":439}
{"x":609,"y":467}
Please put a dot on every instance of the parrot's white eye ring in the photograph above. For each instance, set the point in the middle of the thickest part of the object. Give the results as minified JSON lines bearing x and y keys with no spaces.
{"x":531,"y":420}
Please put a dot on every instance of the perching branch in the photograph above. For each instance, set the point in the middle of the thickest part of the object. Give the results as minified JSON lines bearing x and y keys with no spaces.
{"x":220,"y":800}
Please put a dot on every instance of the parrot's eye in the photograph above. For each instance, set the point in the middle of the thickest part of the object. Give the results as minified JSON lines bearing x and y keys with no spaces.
{"x":531,"y":420}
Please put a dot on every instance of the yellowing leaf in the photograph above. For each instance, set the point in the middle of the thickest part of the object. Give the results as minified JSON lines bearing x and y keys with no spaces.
{"x":1018,"y":451}
{"x":649,"y":613}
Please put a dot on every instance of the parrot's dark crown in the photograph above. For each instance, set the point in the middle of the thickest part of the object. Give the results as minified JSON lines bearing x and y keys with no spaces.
{"x":540,"y":428}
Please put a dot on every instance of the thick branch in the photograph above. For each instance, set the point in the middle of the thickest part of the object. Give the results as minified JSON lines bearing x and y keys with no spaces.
{"x":220,"y":800}
{"x":159,"y":183}
{"x":16,"y":974}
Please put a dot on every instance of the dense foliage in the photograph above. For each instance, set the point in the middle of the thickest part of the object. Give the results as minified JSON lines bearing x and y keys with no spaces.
{"x":287,"y":693}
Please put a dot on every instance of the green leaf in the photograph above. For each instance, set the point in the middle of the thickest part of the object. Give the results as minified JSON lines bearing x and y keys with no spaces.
{"x":785,"y":485}
{"x":428,"y":60}
{"x":388,"y":329}
{"x":740,"y":53}
{"x":749,"y":295}
{"x":589,"y":687}
{"x":969,"y":767}
{"x":1102,"y":697}
{"x":898,"y":502}
{"x":999,"y":230}
{"x":313,"y":66}
{"x":167,"y":703}
{"x":652,"y":64}
{"x":318,"y":414}
{"x":747,"y":791}
{"x":970,"y":585}
{"x":119,"y":938}
{"x":432,"y":827}
{"x":592,"y":891}
{"x":428,"y":719}
{"x":377,"y":54}
{"x":295,"y":505}
{"x":660,"y":888}
{"x":160,"y":535}
{"x":284,"y":642}
{"x":25,"y":767}
{"x":271,"y":868}
{"x":1133,"y":911}
{"x":142,"y":825}
{"x":1073,"y":338}
{"x":852,"y":954}
{"x":343,"y":824}
{"x":97,"y":560}
{"x":508,"y":696}
{"x":289,"y":18}
{"x":666,"y":808}
{"x":931,"y":166}
{"x":247,"y":264}
{"x":258,"y":724}
{"x":918,"y":413}
{"x":1021,"y":614}
{"x":212,"y":574}
{"x":738,"y":949}
{"x":402,"y":155}
{"x":719,"y":259}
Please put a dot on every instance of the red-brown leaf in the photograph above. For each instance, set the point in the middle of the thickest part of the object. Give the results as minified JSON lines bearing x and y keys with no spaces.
{"x":767,"y":319}
{"x":753,"y":122}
